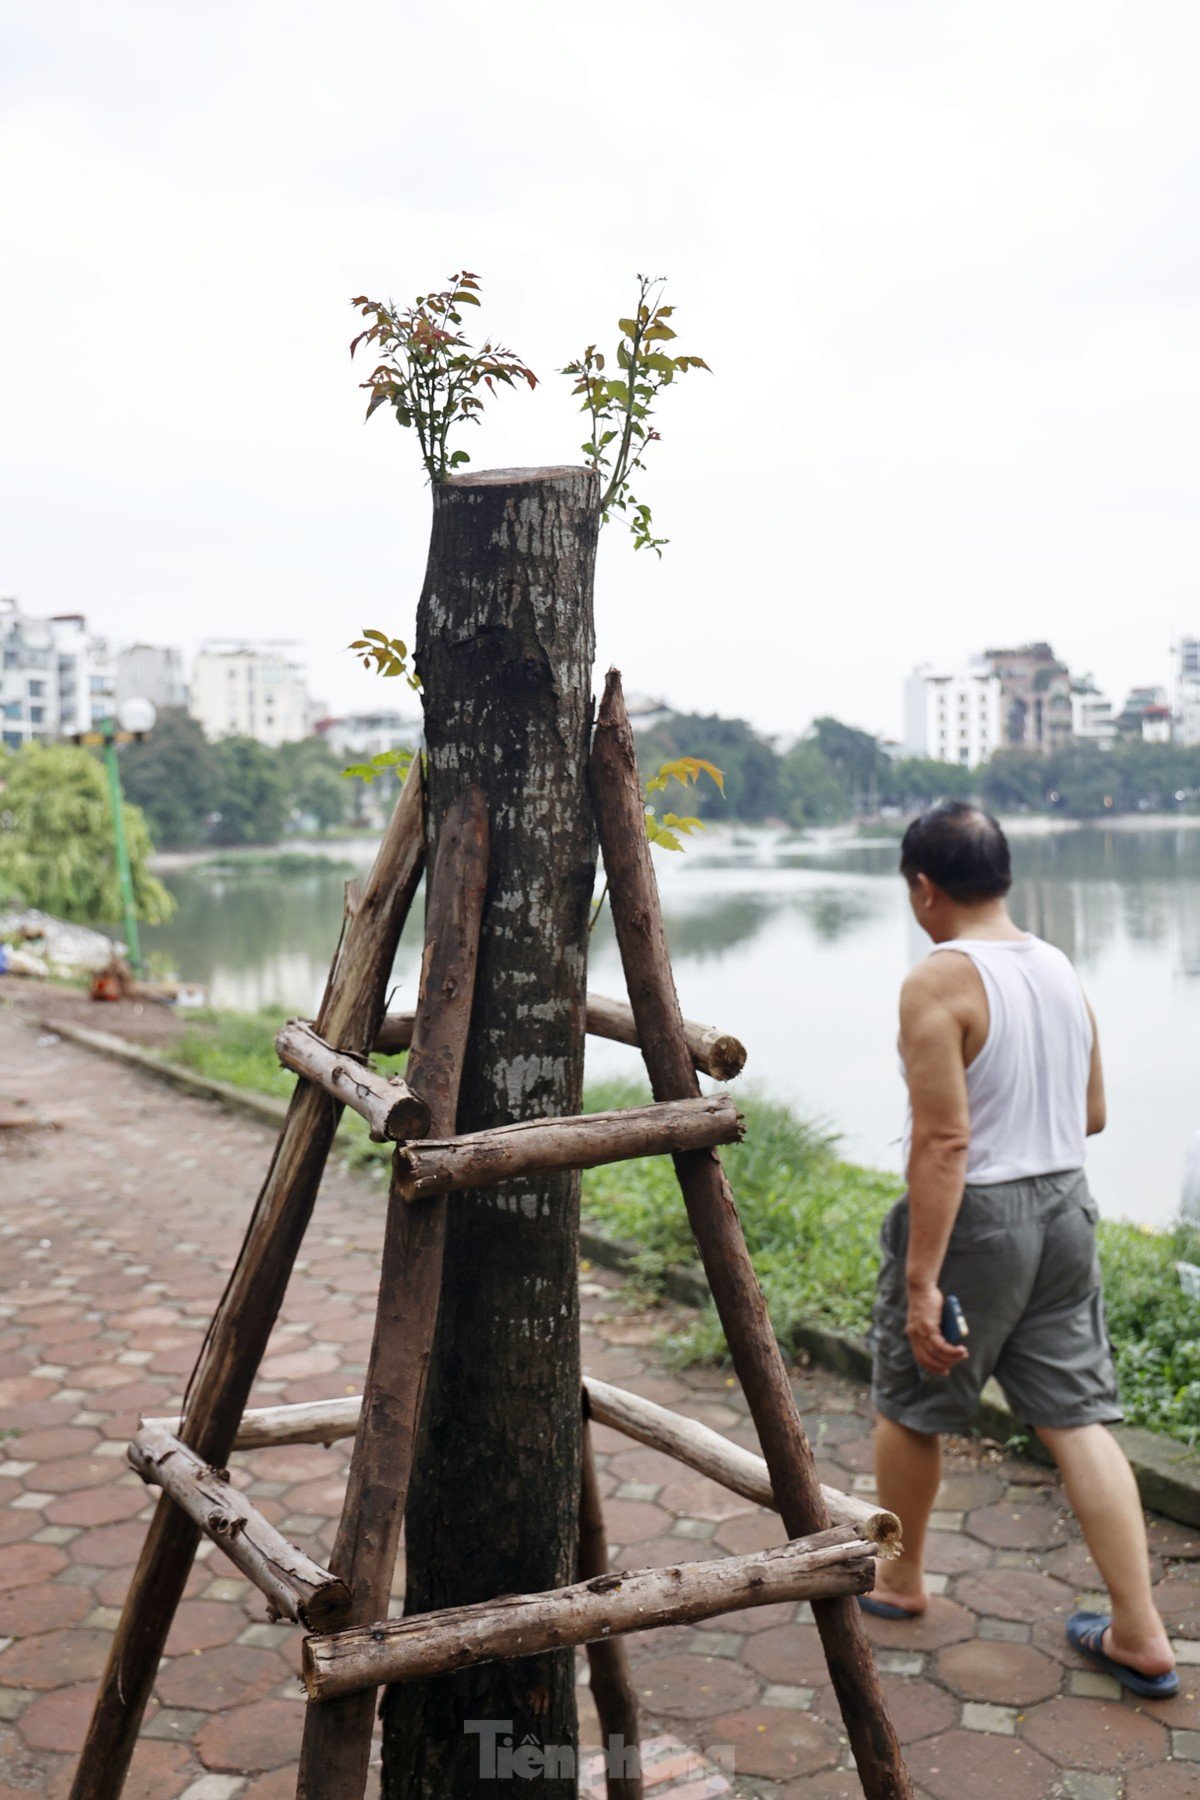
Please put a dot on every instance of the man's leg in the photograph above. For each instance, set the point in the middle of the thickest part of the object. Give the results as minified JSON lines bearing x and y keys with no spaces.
{"x":908,"y":1468}
{"x":1105,"y":1500}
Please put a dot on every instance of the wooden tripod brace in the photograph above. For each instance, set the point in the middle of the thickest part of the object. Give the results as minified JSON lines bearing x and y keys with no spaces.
{"x":354,"y":1648}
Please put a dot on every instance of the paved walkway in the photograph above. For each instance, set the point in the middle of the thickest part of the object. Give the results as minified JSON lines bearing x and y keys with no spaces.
{"x":117,"y":1230}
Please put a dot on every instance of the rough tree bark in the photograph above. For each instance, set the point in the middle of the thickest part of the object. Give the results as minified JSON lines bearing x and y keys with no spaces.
{"x":504,"y":649}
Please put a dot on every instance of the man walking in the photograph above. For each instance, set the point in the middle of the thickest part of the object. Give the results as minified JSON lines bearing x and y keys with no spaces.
{"x":1002,"y":1062}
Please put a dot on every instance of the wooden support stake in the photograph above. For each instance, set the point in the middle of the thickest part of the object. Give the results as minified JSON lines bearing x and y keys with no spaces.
{"x":829,"y":1562}
{"x":715,"y":1053}
{"x":349,"y":1015}
{"x":337,"y":1738}
{"x":582,"y":1141}
{"x":637,"y":918}
{"x":705,"y":1450}
{"x":386,"y":1102}
{"x":608,"y":1659}
{"x":296,"y":1587}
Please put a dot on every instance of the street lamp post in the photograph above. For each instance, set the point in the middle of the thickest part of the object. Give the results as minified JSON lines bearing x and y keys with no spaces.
{"x":124,"y":871}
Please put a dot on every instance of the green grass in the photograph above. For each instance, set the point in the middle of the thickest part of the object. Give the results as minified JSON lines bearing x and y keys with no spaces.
{"x":811,"y":1221}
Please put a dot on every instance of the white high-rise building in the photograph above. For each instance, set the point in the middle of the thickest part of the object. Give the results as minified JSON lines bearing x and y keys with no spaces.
{"x":1187,"y":691}
{"x":953,"y":715}
{"x":249,"y":690}
{"x":56,"y":677}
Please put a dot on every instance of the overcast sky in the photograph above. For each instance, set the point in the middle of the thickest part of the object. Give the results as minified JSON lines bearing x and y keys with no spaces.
{"x":942,"y":258}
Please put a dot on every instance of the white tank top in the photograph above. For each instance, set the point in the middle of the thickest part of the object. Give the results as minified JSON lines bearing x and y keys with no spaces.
{"x":1027,"y":1087}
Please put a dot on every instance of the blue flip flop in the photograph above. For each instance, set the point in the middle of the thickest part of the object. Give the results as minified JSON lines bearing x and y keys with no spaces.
{"x":1085,"y":1630}
{"x":883,"y":1609}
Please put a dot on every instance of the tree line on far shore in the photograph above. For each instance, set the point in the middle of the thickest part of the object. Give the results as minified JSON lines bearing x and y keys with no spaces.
{"x":836,"y":773}
{"x":233,"y":791}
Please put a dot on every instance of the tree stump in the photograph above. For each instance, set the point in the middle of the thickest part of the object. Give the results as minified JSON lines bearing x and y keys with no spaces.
{"x":505,"y":644}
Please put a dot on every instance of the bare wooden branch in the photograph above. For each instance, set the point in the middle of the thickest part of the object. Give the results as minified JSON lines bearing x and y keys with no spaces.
{"x":350,"y":1013}
{"x":336,"y":1747}
{"x":583,"y":1141}
{"x":637,"y":919}
{"x":715,"y":1053}
{"x":830,"y":1562}
{"x":296,"y":1587}
{"x":705,"y":1450}
{"x":608,"y":1659}
{"x":386,"y":1102}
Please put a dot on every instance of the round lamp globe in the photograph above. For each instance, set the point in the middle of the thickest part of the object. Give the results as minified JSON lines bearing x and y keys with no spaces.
{"x":137,"y":716}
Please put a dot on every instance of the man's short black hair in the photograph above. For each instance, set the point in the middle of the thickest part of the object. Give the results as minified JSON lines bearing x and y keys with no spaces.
{"x":961,"y":849}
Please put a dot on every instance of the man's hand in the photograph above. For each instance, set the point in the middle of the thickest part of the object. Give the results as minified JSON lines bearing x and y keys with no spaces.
{"x":924,"y":1330}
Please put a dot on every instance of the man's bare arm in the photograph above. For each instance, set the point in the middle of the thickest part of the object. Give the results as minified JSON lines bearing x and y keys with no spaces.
{"x":1097,"y":1105}
{"x":931,"y":1042}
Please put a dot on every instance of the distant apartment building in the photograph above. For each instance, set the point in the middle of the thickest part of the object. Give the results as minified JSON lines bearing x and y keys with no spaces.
{"x":359,"y":736}
{"x":249,"y":690}
{"x":1146,"y":715}
{"x":952,"y":715}
{"x":1035,"y":698}
{"x":1187,"y":690}
{"x":56,"y":677}
{"x":1093,"y":715}
{"x":151,"y":672}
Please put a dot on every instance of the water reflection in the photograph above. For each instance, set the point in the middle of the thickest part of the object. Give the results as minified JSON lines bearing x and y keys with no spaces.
{"x":800,"y":950}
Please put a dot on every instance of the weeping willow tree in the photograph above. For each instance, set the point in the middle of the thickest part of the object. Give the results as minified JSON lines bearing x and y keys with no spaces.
{"x":56,"y":839}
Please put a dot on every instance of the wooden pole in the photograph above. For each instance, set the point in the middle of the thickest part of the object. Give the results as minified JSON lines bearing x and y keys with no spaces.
{"x":715,"y":1053}
{"x":637,"y":917}
{"x":705,"y":1450}
{"x":583,"y":1141}
{"x":608,"y":1659}
{"x":519,"y":1625}
{"x":233,"y":1349}
{"x":386,"y":1102}
{"x":296,"y":1587}
{"x":336,"y":1747}
{"x":699,"y":1446}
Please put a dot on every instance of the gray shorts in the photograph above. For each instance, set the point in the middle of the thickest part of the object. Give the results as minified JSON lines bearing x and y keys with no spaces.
{"x":1022,"y":1261}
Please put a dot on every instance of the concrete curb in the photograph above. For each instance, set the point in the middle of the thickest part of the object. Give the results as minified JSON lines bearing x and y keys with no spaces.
{"x":1168,"y":1473}
{"x":262,"y":1107}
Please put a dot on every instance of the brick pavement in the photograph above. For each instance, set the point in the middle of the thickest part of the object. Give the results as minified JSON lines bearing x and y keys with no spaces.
{"x":116,"y":1233}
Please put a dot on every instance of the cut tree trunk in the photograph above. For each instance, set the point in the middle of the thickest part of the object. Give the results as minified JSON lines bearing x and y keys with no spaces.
{"x":504,"y":649}
{"x":296,"y":1587}
{"x":337,"y":1738}
{"x":585,"y":1141}
{"x":715,"y":1053}
{"x":350,"y":1015}
{"x":637,"y":918}
{"x":458,"y":1637}
{"x":386,"y":1102}
{"x":613,"y":1692}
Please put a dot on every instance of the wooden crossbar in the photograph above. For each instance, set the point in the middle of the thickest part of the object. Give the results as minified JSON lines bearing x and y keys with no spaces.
{"x":296,"y":1587}
{"x":716,"y":1053}
{"x":827,"y":1563}
{"x":686,"y":1440}
{"x":580,"y":1141}
{"x":386,"y":1102}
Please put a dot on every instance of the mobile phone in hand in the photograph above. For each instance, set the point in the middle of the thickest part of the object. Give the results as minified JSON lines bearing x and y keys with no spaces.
{"x":954,"y":1321}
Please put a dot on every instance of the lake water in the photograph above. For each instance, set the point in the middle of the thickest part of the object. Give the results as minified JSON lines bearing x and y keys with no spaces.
{"x":799,"y":949}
